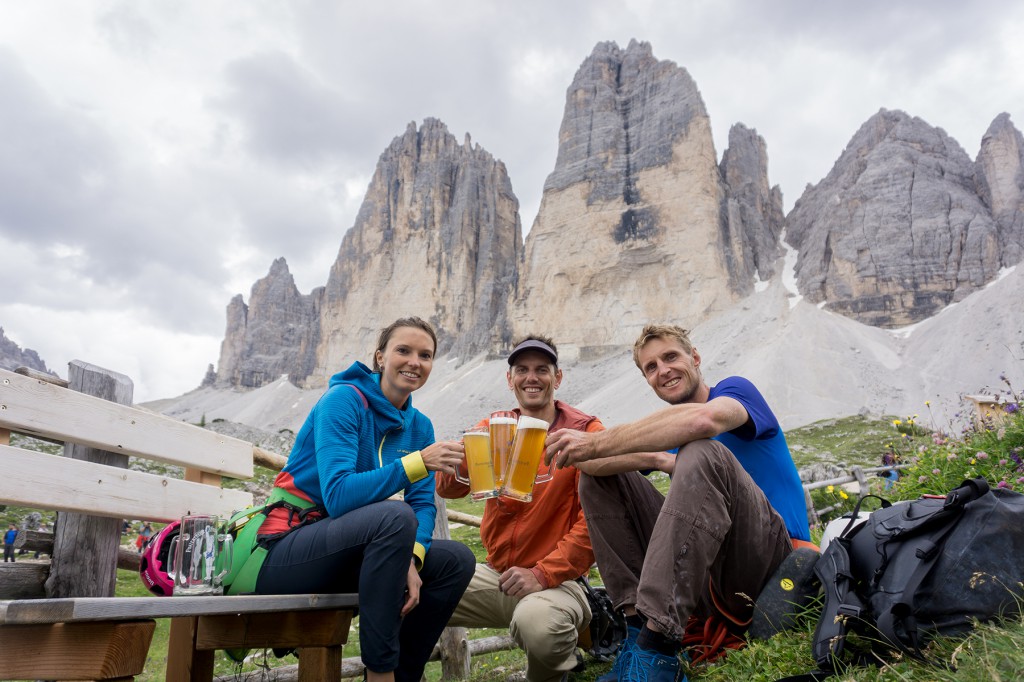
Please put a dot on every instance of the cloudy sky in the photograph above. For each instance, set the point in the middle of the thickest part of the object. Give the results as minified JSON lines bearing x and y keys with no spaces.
{"x":156,"y":156}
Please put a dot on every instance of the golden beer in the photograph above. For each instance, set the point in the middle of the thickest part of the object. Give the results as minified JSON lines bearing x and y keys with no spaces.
{"x":503,"y":433}
{"x":478,"y":462}
{"x":527,"y":453}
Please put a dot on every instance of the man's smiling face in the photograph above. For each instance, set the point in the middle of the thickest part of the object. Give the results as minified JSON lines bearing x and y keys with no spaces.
{"x":533,"y":378}
{"x":673,"y":373}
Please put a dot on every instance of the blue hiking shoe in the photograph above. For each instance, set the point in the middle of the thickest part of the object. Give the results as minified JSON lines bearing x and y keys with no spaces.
{"x":628,"y":644}
{"x":643,"y":665}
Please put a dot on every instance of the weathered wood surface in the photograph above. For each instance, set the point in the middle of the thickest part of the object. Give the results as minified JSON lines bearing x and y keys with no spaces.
{"x":42,"y":611}
{"x":41,"y":376}
{"x":454,"y":649}
{"x":92,"y":651}
{"x":23,"y":580}
{"x":101,"y":490}
{"x":84,"y":556}
{"x":27,"y":579}
{"x":38,"y":408}
{"x":353,"y":667}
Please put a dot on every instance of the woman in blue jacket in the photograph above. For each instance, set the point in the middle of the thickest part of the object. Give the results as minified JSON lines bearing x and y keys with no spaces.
{"x":362,"y":445}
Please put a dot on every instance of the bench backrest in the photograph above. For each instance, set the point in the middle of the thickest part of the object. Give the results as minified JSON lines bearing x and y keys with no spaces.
{"x":35,"y":407}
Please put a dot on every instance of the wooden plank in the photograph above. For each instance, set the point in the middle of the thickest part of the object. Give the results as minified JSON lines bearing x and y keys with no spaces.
{"x":273,"y":630}
{"x":320,"y":664}
{"x":42,"y":481}
{"x":94,"y":651}
{"x":38,"y":408}
{"x":40,"y":611}
{"x":184,"y":663}
{"x":75,"y":571}
{"x":41,"y":376}
{"x":23,"y":580}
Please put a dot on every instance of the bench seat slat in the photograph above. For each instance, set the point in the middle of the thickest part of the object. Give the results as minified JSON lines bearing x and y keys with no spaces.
{"x":44,"y":611}
{"x":92,"y":488}
{"x":40,"y":408}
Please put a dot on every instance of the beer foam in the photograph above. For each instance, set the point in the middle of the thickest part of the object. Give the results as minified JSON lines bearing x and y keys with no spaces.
{"x":532,"y":423}
{"x":502,"y":420}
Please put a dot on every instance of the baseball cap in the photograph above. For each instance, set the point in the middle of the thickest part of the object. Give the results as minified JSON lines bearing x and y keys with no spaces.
{"x":533,"y":344}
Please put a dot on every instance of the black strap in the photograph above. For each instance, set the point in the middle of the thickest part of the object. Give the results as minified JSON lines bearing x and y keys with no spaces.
{"x":902,"y":610}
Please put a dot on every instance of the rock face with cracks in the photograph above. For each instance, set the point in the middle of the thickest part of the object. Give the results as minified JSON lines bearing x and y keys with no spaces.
{"x":639,"y":222}
{"x":899,"y":229}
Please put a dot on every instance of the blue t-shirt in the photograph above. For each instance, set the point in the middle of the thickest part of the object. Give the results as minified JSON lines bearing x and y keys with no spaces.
{"x":9,"y":536}
{"x":760,"y":447}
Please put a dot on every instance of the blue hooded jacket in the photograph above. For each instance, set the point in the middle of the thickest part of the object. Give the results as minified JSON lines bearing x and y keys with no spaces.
{"x":356,"y":448}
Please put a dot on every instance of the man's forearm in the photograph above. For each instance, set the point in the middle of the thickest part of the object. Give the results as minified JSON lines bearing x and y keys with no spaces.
{"x":617,"y":464}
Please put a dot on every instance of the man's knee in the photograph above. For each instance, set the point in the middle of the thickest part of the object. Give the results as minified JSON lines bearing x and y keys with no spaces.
{"x":544,"y":628}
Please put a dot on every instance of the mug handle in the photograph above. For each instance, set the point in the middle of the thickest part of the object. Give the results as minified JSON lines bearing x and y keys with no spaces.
{"x":227,"y":552}
{"x":547,"y":476}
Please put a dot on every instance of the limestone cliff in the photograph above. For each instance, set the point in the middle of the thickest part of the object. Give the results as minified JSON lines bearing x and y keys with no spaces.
{"x":1001,"y":185}
{"x":634,"y":223}
{"x":437,"y":236}
{"x":754,"y":216}
{"x":12,"y":356}
{"x":275,"y":334}
{"x":896,"y":230}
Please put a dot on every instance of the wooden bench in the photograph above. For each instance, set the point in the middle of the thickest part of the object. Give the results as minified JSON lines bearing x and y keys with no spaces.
{"x":81,"y":631}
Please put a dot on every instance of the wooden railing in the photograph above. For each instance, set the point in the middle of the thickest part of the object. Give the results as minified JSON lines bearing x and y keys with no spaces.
{"x":858,"y":475}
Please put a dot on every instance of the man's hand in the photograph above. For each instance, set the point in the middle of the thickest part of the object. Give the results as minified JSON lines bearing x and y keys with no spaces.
{"x":666,"y":462}
{"x":565,"y":447}
{"x":412,"y":587}
{"x":519,"y":582}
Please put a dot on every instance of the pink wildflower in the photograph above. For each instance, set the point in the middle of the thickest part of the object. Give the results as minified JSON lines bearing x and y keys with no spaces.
{"x":982,"y":454}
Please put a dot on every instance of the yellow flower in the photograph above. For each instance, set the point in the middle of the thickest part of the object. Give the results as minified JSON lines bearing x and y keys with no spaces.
{"x":974,"y":461}
{"x":927,"y":403}
{"x":831,"y":488}
{"x":896,"y":422}
{"x":842,"y":494}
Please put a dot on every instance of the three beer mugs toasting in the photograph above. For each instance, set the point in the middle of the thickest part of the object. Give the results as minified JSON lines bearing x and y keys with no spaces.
{"x":503,"y":458}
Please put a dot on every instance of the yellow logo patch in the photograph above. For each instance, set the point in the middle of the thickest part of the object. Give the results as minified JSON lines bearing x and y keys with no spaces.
{"x":786,"y":584}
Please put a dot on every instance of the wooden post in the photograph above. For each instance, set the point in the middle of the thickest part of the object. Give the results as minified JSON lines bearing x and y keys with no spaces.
{"x":454,"y":643}
{"x":85,"y":547}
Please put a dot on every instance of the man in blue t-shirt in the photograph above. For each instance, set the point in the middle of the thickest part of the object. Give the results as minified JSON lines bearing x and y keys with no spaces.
{"x":734,"y":508}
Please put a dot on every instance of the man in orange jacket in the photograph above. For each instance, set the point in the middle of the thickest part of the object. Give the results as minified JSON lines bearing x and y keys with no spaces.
{"x":535,"y":550}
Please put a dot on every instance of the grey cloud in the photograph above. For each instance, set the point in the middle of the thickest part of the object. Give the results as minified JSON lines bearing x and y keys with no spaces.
{"x":286,"y":114}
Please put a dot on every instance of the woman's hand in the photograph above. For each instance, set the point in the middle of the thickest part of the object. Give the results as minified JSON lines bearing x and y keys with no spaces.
{"x":412,"y":589}
{"x":445,"y":455}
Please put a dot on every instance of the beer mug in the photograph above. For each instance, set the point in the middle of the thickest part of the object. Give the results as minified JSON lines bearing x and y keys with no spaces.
{"x":502,"y":425}
{"x":200,"y":556}
{"x":477,"y":442}
{"x":526,"y":457}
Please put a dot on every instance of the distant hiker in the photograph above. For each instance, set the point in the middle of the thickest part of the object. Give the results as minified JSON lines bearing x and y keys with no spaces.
{"x":338,"y":528}
{"x":9,"y":537}
{"x":708,"y":548}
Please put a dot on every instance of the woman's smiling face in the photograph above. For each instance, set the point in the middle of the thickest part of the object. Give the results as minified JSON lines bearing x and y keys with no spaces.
{"x":405,"y":363}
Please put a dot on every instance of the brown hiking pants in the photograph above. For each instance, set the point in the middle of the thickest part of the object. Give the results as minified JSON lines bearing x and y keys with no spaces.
{"x":713,"y":540}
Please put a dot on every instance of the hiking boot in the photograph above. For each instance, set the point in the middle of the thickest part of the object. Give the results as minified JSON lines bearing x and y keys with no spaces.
{"x":627,"y":644}
{"x":786,"y":595}
{"x":644,"y":665}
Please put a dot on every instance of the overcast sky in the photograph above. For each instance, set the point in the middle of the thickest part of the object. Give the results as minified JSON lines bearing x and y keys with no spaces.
{"x":157,"y":156}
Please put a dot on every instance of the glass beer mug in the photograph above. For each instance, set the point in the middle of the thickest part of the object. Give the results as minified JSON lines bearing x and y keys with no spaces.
{"x":502,"y":425}
{"x":477,"y":442}
{"x":527,"y":453}
{"x":200,"y":556}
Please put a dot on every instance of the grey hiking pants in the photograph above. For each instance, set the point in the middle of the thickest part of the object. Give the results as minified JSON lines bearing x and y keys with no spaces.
{"x":714,"y":539}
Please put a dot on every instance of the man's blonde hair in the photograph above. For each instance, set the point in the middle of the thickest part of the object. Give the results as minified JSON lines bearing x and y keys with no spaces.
{"x":661,"y":331}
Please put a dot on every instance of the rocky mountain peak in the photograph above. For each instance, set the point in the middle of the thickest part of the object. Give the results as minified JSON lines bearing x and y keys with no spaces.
{"x":634,"y":223}
{"x":1001,"y":184}
{"x":437,"y":235}
{"x":896,"y":230}
{"x":12,"y":356}
{"x":274,"y":335}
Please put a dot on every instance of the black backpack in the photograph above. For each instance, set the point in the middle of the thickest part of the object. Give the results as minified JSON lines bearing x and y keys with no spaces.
{"x":921,"y":568}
